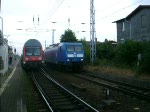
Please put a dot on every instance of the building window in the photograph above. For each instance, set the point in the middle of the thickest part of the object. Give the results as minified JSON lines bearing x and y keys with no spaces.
{"x":123,"y":26}
{"x":143,"y":21}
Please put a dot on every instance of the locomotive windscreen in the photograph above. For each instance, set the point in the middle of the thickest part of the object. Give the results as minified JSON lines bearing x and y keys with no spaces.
{"x":78,"y":48}
{"x":74,"y":48}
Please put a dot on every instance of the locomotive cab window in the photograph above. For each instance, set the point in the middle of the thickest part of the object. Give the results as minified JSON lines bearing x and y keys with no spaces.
{"x":74,"y":48}
{"x":70,"y":48}
{"x":78,"y":48}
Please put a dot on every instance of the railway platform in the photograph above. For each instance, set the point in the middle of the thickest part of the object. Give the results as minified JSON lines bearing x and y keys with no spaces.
{"x":11,"y":97}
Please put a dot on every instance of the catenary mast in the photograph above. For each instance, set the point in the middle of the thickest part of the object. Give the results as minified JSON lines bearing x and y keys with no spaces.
{"x":92,"y":32}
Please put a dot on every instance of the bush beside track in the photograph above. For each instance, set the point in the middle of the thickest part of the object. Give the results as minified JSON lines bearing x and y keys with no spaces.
{"x":121,"y":56}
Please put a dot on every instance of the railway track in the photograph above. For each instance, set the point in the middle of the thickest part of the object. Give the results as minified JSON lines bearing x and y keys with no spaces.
{"x":92,"y":90}
{"x":58,"y":98}
{"x":126,"y":88}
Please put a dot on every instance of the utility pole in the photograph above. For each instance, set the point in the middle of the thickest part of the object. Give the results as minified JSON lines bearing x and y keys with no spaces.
{"x":69,"y":23}
{"x":45,"y":44}
{"x":38,"y":19}
{"x":92,"y":32}
{"x":53,"y":35}
{"x":36,"y":25}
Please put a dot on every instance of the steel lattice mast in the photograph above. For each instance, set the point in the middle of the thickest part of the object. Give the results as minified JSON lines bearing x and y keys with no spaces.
{"x":92,"y":32}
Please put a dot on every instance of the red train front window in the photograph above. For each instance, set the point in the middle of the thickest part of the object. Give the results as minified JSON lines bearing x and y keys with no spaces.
{"x":36,"y":51}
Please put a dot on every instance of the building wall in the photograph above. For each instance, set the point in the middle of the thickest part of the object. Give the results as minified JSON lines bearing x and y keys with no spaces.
{"x":4,"y":55}
{"x":138,"y":32}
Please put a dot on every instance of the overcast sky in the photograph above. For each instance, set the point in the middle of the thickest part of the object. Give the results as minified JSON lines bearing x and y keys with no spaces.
{"x":19,"y":27}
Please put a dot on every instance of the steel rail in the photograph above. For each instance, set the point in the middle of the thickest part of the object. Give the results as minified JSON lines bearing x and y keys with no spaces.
{"x":119,"y":82}
{"x":118,"y":88}
{"x":73,"y":95}
{"x":41,"y":92}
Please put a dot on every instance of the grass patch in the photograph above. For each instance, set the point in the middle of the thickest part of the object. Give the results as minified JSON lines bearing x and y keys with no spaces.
{"x":124,"y":72}
{"x":111,"y":67}
{"x":111,"y":70}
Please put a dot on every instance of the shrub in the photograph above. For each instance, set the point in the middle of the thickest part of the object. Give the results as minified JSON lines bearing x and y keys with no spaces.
{"x":126,"y":53}
{"x":96,"y":61}
{"x":145,"y":64}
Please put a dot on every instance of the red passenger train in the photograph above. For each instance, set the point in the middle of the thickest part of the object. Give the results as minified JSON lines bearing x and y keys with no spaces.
{"x":32,"y":55}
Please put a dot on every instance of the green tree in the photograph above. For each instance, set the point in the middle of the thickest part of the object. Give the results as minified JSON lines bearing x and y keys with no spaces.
{"x":105,"y":50}
{"x":86,"y":51}
{"x":68,"y":36}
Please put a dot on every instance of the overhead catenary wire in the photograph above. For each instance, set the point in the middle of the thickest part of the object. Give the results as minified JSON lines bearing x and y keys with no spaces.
{"x":59,"y":3}
{"x":110,"y":6}
{"x":117,"y":11}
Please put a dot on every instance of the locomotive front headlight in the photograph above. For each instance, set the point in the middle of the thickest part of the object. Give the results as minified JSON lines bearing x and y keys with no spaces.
{"x":81,"y":59}
{"x":68,"y":60}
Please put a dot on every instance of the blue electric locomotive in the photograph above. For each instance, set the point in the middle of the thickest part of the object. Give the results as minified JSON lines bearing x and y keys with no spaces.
{"x":65,"y":56}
